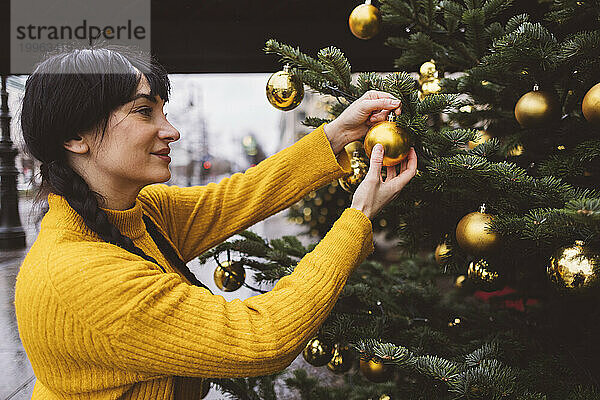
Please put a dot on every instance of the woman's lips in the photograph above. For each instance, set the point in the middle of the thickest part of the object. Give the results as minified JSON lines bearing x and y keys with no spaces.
{"x":164,"y":157}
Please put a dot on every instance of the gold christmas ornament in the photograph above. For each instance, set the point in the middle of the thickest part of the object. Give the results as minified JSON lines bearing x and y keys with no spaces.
{"x":428,"y":79}
{"x":484,"y":277}
{"x":460,"y":281}
{"x":428,"y":70}
{"x":536,"y":109}
{"x":472,"y":235}
{"x":432,"y":86}
{"x":358,"y":163}
{"x":590,"y":106}
{"x":484,"y":138}
{"x":375,"y":371}
{"x":573,"y":267}
{"x":441,"y":252}
{"x":364,"y":21}
{"x":317,"y":352}
{"x":284,"y":90}
{"x":230,"y":276}
{"x":395,"y":141}
{"x":342,"y":359}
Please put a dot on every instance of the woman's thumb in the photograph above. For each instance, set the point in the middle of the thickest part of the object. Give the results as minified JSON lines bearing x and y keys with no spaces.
{"x":376,"y":160}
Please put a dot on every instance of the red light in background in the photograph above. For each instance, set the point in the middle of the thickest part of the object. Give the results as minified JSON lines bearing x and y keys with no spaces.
{"x":206,"y":165}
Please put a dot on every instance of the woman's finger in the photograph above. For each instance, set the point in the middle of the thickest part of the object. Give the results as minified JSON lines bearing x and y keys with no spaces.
{"x":411,"y":169}
{"x":391,"y":173}
{"x":370,"y":105}
{"x":379,"y":116}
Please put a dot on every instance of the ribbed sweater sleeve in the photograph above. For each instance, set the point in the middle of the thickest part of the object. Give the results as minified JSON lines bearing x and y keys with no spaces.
{"x":157,"y":324}
{"x":197,"y":218}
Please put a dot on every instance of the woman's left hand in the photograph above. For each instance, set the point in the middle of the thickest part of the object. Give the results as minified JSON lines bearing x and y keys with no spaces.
{"x":354,"y":122}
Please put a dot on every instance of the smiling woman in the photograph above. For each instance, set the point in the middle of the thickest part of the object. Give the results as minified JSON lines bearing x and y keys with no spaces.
{"x":105,"y":305}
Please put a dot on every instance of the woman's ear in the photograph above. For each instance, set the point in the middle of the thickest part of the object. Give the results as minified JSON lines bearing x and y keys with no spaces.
{"x":77,"y":144}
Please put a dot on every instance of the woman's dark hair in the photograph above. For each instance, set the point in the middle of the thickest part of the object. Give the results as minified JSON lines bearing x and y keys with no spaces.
{"x":76,"y":90}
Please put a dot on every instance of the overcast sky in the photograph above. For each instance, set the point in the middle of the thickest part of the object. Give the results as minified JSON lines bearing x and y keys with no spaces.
{"x":233,"y":106}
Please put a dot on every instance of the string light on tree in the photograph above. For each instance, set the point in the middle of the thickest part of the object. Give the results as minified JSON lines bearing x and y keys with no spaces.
{"x":573,"y":267}
{"x":590,"y":106}
{"x":473,"y":236}
{"x":285,"y":91}
{"x":395,"y":141}
{"x":364,"y":21}
{"x":537,"y":108}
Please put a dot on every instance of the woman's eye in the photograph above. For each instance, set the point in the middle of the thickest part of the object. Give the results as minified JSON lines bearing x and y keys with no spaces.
{"x":146,"y":111}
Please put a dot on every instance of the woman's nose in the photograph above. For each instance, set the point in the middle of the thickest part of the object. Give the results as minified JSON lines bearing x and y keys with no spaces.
{"x":168,"y":131}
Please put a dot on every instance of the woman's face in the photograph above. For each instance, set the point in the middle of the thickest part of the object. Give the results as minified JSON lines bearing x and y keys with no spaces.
{"x":123,"y":160}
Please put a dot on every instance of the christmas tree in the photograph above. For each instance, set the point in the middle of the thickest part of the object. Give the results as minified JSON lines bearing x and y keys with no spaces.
{"x":504,"y":117}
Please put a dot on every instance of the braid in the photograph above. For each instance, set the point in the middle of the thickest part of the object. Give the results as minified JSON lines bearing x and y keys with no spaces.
{"x":66,"y":182}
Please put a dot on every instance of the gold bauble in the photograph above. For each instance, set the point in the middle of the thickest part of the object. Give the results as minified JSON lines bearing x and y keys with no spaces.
{"x":356,"y":161}
{"x":230,"y":276}
{"x":384,"y":397}
{"x":590,"y":106}
{"x":441,"y":252}
{"x":428,"y":70}
{"x":431,"y":86}
{"x":536,"y":109}
{"x":484,"y":138}
{"x":573,"y":267}
{"x":472,"y":236}
{"x":484,"y":277}
{"x":395,"y":141}
{"x":364,"y":21}
{"x":460,"y":281}
{"x":375,"y":371}
{"x":317,"y":352}
{"x":342,"y":359}
{"x":284,"y":90}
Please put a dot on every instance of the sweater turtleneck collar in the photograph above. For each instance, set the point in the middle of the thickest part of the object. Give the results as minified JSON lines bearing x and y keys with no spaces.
{"x":129,"y":221}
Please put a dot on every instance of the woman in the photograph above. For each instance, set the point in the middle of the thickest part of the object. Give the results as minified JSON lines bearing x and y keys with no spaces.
{"x":102,"y":312}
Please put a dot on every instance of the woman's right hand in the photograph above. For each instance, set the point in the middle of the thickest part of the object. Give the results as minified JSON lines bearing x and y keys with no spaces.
{"x":373,"y":193}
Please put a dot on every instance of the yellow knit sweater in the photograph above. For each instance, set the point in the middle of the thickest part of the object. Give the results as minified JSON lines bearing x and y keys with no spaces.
{"x":98,"y":322}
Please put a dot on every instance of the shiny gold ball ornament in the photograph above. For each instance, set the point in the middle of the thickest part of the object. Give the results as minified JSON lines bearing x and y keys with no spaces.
{"x":484,"y":276}
{"x":537,"y":108}
{"x":365,"y":20}
{"x":573,"y":267}
{"x":482,"y":139}
{"x":460,"y":281}
{"x":342,"y":359}
{"x":375,"y":371}
{"x":441,"y":252}
{"x":590,"y":106}
{"x":428,"y":70}
{"x":318,"y":352}
{"x":230,"y":275}
{"x":357,"y":161}
{"x":284,"y":90}
{"x":395,"y":141}
{"x":472,"y":234}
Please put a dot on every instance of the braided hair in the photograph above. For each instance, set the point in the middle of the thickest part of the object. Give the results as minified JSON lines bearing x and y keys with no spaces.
{"x":75,"y":90}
